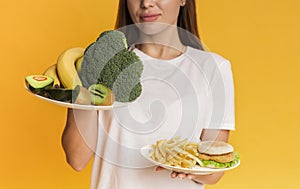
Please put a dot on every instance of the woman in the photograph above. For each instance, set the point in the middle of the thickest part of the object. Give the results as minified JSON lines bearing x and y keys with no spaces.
{"x":187,"y":92}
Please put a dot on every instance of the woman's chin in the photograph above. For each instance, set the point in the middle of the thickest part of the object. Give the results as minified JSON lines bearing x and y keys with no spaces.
{"x":153,"y":28}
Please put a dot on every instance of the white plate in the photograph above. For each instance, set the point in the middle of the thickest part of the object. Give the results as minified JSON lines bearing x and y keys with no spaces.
{"x":197,"y":170}
{"x":79,"y":106}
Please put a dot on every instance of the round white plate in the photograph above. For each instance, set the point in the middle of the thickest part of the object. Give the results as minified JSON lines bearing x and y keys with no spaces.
{"x":79,"y":106}
{"x":197,"y":170}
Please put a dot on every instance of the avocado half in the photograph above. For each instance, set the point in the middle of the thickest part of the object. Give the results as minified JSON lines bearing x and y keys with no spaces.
{"x":37,"y":83}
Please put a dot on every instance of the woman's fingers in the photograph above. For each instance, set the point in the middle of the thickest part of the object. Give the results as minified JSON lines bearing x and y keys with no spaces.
{"x":182,"y":175}
{"x":159,"y":169}
{"x":174,"y":174}
{"x":179,"y":175}
{"x":189,"y":176}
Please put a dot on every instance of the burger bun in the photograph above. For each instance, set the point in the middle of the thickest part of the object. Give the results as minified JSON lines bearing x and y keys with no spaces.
{"x":214,"y":148}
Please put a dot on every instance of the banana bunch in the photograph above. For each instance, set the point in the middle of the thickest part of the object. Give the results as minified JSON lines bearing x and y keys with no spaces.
{"x":66,"y":68}
{"x":65,"y":71}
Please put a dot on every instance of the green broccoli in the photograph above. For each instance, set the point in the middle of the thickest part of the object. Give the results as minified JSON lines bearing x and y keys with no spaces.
{"x":109,"y":62}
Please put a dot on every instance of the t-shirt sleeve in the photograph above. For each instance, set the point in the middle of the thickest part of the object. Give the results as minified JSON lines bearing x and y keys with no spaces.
{"x":222,"y":91}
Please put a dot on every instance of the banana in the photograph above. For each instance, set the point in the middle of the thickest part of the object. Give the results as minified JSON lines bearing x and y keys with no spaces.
{"x":78,"y":64}
{"x":51,"y":71}
{"x":66,"y":69}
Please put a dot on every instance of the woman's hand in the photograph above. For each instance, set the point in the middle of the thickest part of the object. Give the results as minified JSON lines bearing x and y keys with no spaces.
{"x":175,"y":174}
{"x":200,"y":179}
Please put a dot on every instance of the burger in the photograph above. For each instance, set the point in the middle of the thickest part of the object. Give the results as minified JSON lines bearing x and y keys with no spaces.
{"x":217,"y":154}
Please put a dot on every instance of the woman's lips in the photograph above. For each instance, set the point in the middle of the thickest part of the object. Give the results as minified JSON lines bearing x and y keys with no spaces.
{"x":150,"y":17}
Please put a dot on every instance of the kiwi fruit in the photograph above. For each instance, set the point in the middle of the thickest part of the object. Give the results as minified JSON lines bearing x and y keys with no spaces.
{"x":101,"y":95}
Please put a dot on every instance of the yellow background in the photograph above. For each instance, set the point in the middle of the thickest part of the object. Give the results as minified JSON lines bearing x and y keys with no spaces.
{"x":261,"y":38}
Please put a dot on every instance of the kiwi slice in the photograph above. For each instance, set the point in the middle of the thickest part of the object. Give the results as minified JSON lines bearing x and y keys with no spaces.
{"x":101,"y":95}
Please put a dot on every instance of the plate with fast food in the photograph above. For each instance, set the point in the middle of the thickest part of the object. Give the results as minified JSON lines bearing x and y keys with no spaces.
{"x":199,"y":158}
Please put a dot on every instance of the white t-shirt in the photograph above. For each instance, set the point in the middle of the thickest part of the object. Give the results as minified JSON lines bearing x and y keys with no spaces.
{"x":179,"y":97}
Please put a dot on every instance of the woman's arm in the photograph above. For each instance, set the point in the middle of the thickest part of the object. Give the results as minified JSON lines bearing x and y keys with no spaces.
{"x":79,"y":137}
{"x":207,"y":134}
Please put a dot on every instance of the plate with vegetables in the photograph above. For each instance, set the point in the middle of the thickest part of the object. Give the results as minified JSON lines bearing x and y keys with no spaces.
{"x":199,"y":158}
{"x":77,"y":98}
{"x":105,"y":75}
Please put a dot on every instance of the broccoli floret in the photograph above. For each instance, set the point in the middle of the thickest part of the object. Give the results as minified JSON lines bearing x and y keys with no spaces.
{"x":109,"y":62}
{"x":116,"y":37}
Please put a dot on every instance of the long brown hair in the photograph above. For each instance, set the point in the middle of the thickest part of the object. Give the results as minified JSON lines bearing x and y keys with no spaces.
{"x":187,"y":23}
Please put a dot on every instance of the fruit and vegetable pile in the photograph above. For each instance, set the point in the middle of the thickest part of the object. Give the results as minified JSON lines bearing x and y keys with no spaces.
{"x":104,"y":72}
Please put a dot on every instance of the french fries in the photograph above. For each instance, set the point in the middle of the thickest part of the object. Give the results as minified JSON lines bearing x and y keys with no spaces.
{"x":176,"y":152}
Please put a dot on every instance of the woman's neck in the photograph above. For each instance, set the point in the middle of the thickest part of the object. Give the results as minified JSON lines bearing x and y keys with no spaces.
{"x":164,"y":45}
{"x":161,"y":51}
